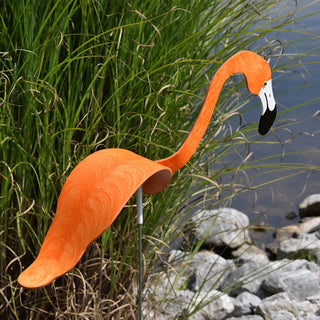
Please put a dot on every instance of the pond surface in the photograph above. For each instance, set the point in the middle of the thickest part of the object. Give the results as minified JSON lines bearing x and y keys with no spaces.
{"x":299,"y":130}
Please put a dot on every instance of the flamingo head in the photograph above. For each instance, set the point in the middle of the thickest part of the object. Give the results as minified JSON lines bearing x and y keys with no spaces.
{"x":258,"y":76}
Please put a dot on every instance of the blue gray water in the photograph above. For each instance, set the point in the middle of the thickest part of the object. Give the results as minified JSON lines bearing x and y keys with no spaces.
{"x":299,"y":131}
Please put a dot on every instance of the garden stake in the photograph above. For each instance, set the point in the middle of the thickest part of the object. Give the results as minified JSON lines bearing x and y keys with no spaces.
{"x":140,"y":223}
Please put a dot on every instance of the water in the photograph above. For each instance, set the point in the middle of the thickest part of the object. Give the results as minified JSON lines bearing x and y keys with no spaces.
{"x":271,"y":203}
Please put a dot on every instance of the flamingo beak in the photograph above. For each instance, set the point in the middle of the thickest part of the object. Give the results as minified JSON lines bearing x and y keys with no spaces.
{"x":269,"y":108}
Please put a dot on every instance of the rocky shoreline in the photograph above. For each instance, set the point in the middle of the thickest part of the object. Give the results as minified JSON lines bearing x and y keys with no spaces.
{"x":229,"y":278}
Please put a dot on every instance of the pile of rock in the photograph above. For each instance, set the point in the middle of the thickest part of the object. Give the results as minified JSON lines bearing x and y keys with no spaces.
{"x":241,"y":282}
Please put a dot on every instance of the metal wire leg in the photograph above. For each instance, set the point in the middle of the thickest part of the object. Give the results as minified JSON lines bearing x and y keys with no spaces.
{"x":140,"y":222}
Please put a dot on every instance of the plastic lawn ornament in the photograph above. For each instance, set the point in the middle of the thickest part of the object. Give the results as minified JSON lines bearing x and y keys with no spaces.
{"x":101,"y":184}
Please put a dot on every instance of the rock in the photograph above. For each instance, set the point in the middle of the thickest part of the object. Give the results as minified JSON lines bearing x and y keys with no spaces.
{"x":298,"y":284}
{"x":248,"y":317}
{"x":249,"y":252}
{"x":206,"y":270}
{"x":217,"y":305}
{"x":176,"y":257}
{"x":222,"y":227}
{"x":309,"y":225}
{"x":250,"y":275}
{"x":315,"y":300}
{"x":310,"y":206}
{"x":247,"y":276}
{"x":292,"y":215}
{"x":214,"y":304}
{"x":153,"y":315}
{"x":292,"y":265}
{"x":291,"y":231}
{"x":194,"y":284}
{"x":306,"y":308}
{"x":283,"y":315}
{"x":163,"y":284}
{"x":302,"y":246}
{"x":272,"y":248}
{"x":180,"y":303}
{"x":309,"y":317}
{"x":177,"y":303}
{"x":277,"y":303}
{"x":286,"y":232}
{"x":308,"y":231}
{"x":245,"y":303}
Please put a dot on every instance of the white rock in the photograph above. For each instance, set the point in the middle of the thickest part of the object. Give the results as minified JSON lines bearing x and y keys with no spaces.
{"x":277,"y":303}
{"x":298,"y":284}
{"x":286,"y":232}
{"x":217,"y":305}
{"x":222,"y":227}
{"x":308,"y":243}
{"x":176,"y":256}
{"x":247,"y":277}
{"x":309,"y":225}
{"x":247,"y":317}
{"x":245,"y":304}
{"x":249,"y":252}
{"x":153,"y":315}
{"x":306,"y":308}
{"x":163,"y":284}
{"x":176,"y":304}
{"x":206,"y":270}
{"x":309,"y":317}
{"x":283,"y":315}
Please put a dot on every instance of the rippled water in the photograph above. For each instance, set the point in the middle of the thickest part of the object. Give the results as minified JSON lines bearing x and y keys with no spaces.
{"x":270,"y":204}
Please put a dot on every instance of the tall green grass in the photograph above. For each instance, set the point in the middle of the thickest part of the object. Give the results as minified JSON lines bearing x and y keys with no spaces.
{"x":79,"y":76}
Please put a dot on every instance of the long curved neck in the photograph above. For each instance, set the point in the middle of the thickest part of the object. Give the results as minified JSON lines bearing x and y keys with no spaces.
{"x":183,"y":155}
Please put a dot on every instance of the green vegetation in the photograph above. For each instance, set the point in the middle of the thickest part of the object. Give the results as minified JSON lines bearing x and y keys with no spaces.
{"x":79,"y":76}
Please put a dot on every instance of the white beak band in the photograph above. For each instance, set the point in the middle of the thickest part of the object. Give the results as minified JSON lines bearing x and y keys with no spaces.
{"x":266,"y":97}
{"x":269,"y":110}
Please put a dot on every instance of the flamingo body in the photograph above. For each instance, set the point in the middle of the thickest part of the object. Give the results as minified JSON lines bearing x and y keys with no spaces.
{"x":91,"y":199}
{"x":101,"y":184}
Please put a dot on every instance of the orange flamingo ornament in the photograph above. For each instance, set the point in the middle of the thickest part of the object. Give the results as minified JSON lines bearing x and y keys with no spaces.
{"x":101,"y":184}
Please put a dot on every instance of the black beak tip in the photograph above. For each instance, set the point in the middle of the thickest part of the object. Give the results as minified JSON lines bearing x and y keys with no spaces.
{"x":266,"y":121}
